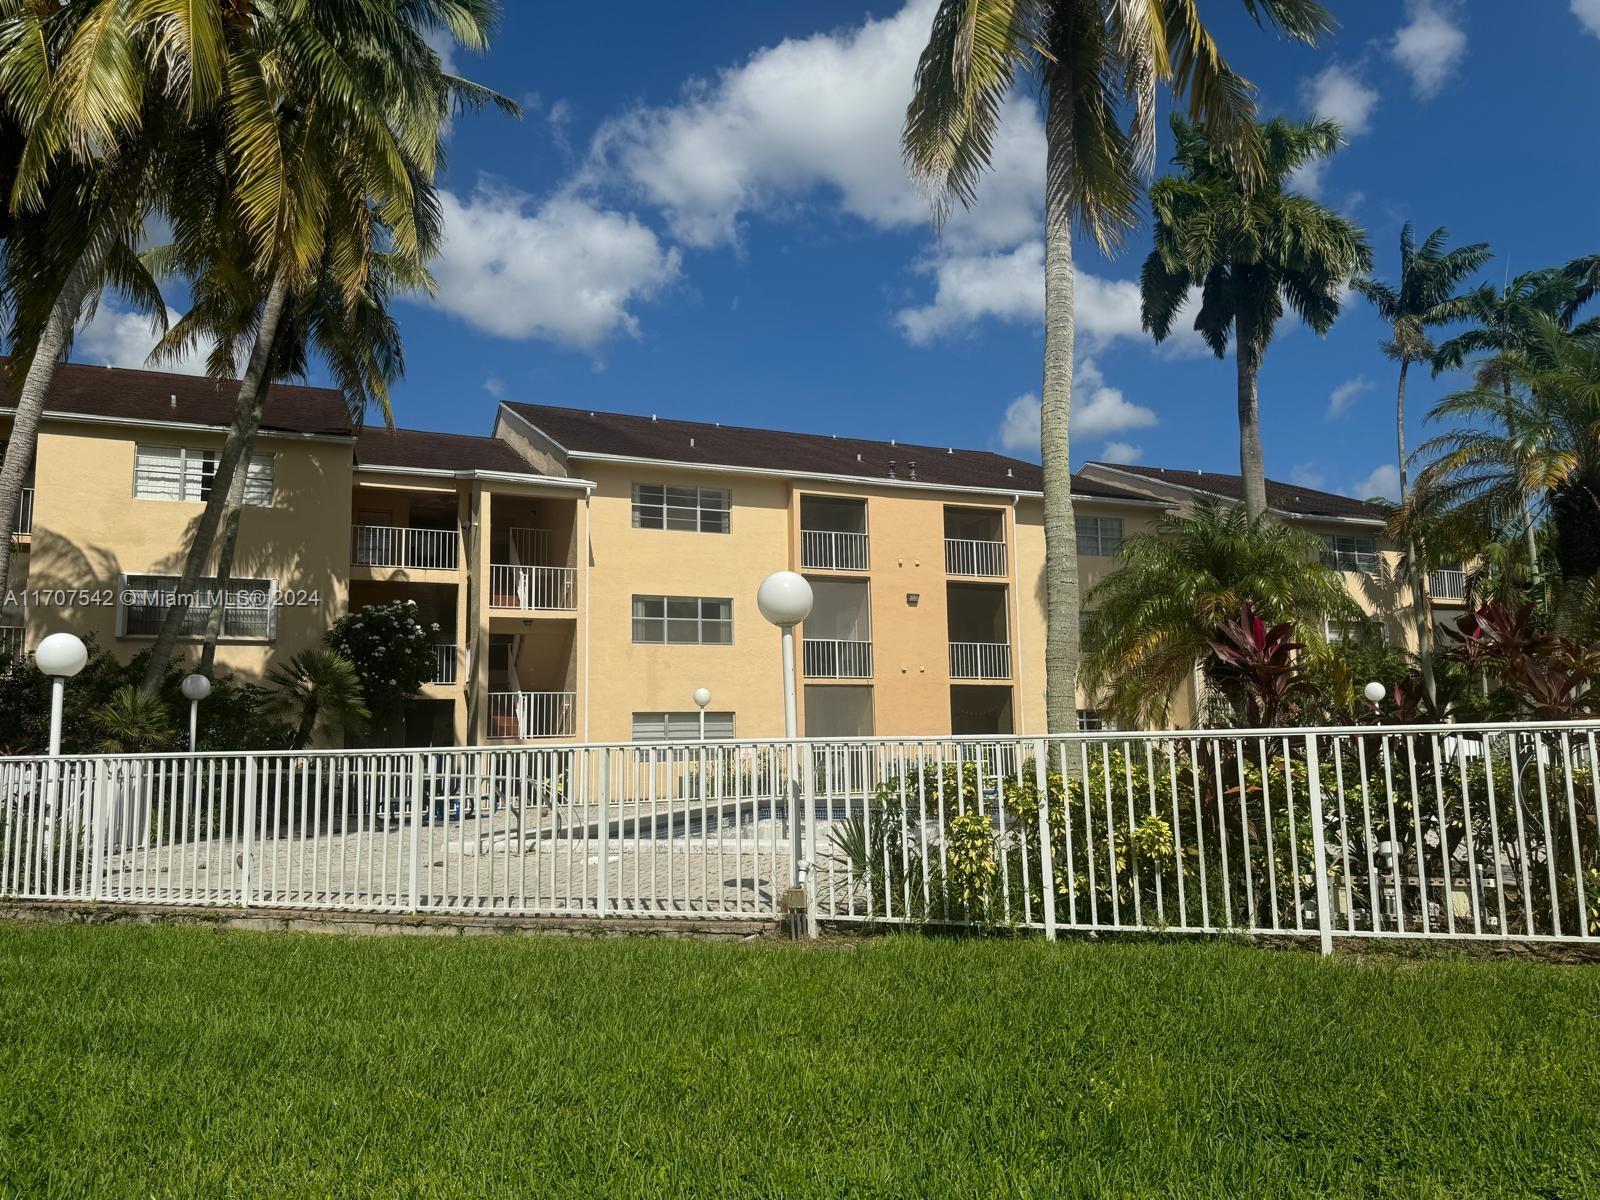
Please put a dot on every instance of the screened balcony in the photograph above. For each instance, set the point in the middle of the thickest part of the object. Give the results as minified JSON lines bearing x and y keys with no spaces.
{"x":980,"y":643}
{"x":974,"y":542}
{"x":837,"y":636}
{"x":833,"y":534}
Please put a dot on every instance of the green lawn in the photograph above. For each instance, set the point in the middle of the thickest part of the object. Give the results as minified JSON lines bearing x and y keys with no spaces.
{"x":185,"y":1062}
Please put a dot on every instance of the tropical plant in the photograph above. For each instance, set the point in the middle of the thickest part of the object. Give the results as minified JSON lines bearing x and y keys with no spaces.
{"x":392,"y":653}
{"x":328,"y":132}
{"x":1256,"y":666}
{"x":1425,"y":297}
{"x":133,"y":722}
{"x":1152,"y":618}
{"x":319,"y":694}
{"x":1530,"y":444}
{"x":1097,"y":64}
{"x":1250,"y":245}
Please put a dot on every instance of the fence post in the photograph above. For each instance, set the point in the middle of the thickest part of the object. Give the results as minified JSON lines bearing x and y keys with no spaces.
{"x":416,"y":834}
{"x":1319,"y":844}
{"x":1047,"y":869}
{"x":602,"y":900}
{"x":97,"y":832}
{"x":247,"y":882}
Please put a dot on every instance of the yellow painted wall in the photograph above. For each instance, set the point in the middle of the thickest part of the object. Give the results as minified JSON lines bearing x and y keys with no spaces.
{"x":89,"y":530}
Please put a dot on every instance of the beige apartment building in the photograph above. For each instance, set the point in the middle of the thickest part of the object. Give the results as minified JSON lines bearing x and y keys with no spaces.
{"x":588,"y":571}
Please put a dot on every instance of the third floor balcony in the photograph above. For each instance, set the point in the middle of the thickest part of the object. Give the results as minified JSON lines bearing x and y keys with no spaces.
{"x":833,"y":534}
{"x":974,"y":542}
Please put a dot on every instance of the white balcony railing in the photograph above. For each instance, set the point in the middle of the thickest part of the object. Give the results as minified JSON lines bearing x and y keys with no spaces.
{"x":445,"y":658}
{"x":1448,"y":585}
{"x":963,"y":556}
{"x":518,"y":715}
{"x":403,"y":546}
{"x":10,"y":640}
{"x":826,"y":550}
{"x":980,"y":660}
{"x":529,"y":589}
{"x":834,"y":658}
{"x":25,"y":513}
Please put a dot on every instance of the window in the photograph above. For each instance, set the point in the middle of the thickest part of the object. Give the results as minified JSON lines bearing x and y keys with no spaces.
{"x":703,"y":510}
{"x":1099,"y":536}
{"x":181,"y":473}
{"x":249,"y":611}
{"x":1350,"y":553}
{"x":680,"y":726}
{"x":682,"y":621}
{"x":1353,"y":633}
{"x":1092,"y":720}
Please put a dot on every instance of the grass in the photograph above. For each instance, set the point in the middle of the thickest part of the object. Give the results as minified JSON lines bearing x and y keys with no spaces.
{"x":186,"y":1062}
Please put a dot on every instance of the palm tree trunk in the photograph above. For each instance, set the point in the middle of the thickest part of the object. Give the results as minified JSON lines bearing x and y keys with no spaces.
{"x":1534,"y":576}
{"x":54,"y":339}
{"x":241,"y":436}
{"x":1252,"y":465}
{"x":231,"y":514}
{"x":1055,"y":418}
{"x":1420,"y":608}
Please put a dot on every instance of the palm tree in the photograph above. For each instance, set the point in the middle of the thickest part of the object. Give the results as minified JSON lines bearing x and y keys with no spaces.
{"x":333,"y":136}
{"x":132,"y":722}
{"x":1505,"y":325}
{"x":1529,"y":443}
{"x":1153,"y":618}
{"x":1425,"y":298}
{"x":318,"y":692}
{"x":1096,"y":62}
{"x":1249,"y":246}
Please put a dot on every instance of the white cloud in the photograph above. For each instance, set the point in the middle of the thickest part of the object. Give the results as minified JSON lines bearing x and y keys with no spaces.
{"x":1430,"y":45}
{"x":1098,"y":410}
{"x":1121,"y":452}
{"x":495,"y":386}
{"x":1336,"y":93}
{"x":564,"y":271}
{"x":1384,"y":481}
{"x":819,"y":112}
{"x":118,"y":337}
{"x":1340,"y":399}
{"x":1588,"y":12}
{"x":1307,"y":475}
{"x":1307,"y":178}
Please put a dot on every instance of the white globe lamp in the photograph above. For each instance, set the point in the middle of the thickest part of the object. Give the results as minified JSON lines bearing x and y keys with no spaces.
{"x":60,"y":656}
{"x":702,"y":697}
{"x":195,"y":688}
{"x":784,"y":599}
{"x":1375,"y":692}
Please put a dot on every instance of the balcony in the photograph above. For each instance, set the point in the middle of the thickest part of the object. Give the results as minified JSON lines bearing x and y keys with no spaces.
{"x":828,"y":550}
{"x":25,"y":513}
{"x":837,"y":658}
{"x":11,"y":638}
{"x":1448,"y":585}
{"x":517,"y":716}
{"x":446,"y":660}
{"x":532,"y":589}
{"x":405,"y":546}
{"x":968,"y":556}
{"x":980,"y":660}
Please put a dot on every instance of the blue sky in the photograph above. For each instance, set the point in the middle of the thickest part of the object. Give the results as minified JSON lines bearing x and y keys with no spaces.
{"x":703,"y":214}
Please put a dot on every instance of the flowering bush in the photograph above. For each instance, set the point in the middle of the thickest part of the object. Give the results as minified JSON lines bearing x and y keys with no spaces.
{"x":392,"y":651}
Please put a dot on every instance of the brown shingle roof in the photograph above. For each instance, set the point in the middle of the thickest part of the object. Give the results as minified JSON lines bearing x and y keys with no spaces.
{"x":695,"y":443}
{"x":118,"y":393}
{"x":418,"y":450}
{"x":1285,"y":497}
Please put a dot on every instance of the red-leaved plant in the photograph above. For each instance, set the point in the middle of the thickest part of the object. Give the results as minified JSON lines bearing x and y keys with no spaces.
{"x":1255,"y":666}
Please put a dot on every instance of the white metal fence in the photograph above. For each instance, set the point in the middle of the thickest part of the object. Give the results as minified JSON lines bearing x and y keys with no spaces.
{"x":520,"y":715}
{"x":826,"y":550}
{"x":403,"y":546}
{"x":964,"y":556}
{"x":835,"y":658}
{"x":532,"y":588}
{"x":980,"y":660}
{"x":446,"y":658}
{"x":1448,"y":585}
{"x":1472,"y":832}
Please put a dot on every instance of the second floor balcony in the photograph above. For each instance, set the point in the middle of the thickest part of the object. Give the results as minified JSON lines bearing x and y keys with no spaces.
{"x":1448,"y":585}
{"x":446,"y":664}
{"x":837,"y":658}
{"x":405,"y":547}
{"x":518,"y":716}
{"x":980,"y":660}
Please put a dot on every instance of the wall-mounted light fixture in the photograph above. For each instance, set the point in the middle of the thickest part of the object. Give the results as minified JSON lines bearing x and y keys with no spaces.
{"x":913,"y":599}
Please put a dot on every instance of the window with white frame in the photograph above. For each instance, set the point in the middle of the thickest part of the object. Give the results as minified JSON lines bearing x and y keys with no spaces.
{"x":1350,"y":553}
{"x":249,"y":607}
{"x":1092,"y":720}
{"x":682,"y":621}
{"x":680,"y":726}
{"x":1100,"y":537}
{"x":692,"y":509}
{"x":185,"y":473}
{"x":1353,"y":633}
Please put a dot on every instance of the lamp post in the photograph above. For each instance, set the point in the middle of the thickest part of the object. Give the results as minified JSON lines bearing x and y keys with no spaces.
{"x":784,"y":599}
{"x":1374,"y":692}
{"x":195,"y":688}
{"x":60,"y":656}
{"x":702,"y":697}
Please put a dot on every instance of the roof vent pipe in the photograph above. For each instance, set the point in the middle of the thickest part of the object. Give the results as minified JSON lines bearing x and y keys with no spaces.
{"x":691,"y":443}
{"x":913,"y":466}
{"x":1008,"y":472}
{"x":891,"y":465}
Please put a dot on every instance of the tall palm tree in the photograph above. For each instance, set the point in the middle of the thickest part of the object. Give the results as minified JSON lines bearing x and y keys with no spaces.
{"x":1097,"y":64}
{"x":1531,"y":441}
{"x":1249,"y":246}
{"x":1425,"y":297}
{"x":332,"y":133}
{"x":1153,"y":618}
{"x":1504,"y":325}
